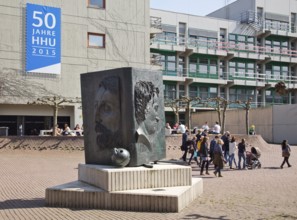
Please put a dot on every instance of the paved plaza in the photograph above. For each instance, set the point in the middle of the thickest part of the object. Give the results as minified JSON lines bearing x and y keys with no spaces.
{"x":267,"y":193}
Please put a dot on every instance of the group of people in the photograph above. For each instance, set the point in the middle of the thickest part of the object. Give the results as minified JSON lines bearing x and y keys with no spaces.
{"x":215,"y":129}
{"x":179,"y":128}
{"x":219,"y":151}
{"x":66,"y":131}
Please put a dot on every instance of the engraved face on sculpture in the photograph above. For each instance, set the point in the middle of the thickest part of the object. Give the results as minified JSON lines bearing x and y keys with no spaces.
{"x":151,"y":118}
{"x":146,"y":106}
{"x":108,"y":113}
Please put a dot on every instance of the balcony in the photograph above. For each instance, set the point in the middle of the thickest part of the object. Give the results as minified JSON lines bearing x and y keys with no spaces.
{"x":258,"y":80}
{"x":156,"y":26}
{"x":267,"y":27}
{"x":223,"y":49}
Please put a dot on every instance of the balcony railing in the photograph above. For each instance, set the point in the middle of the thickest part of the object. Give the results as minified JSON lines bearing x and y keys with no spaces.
{"x":243,"y":76}
{"x":156,"y":22}
{"x":252,"y":18}
{"x":222,"y":46}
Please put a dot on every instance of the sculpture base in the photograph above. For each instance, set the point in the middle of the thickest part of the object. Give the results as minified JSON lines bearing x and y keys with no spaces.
{"x":79,"y":194}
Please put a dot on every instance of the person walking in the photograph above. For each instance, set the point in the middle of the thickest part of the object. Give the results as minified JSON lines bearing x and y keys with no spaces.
{"x":226,"y":140}
{"x":218,"y":160}
{"x":242,"y":154}
{"x":204,"y":155}
{"x":193,"y":150}
{"x":212,"y":146}
{"x":286,"y":151}
{"x":184,"y":146}
{"x":232,"y":149}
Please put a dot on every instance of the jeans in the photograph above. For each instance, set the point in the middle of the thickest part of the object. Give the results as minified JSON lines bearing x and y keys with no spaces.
{"x":202,"y":166}
{"x":286,"y":160}
{"x":243,"y":156}
{"x":231,"y":159}
{"x":195,"y":158}
{"x":226,"y":155}
{"x":184,"y":157}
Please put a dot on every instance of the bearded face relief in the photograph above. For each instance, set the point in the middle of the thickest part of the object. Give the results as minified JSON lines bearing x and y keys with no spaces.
{"x":123,"y":109}
{"x":108,"y":113}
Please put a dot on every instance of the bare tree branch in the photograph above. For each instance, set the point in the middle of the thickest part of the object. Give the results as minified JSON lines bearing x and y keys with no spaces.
{"x":55,"y":102}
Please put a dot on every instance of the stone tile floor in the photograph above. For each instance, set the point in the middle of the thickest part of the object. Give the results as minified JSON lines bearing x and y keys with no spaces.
{"x":267,"y":193}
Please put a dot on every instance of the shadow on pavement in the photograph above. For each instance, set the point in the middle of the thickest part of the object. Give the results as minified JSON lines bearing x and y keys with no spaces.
{"x":22,"y":203}
{"x":271,"y":168}
{"x":197,"y":216}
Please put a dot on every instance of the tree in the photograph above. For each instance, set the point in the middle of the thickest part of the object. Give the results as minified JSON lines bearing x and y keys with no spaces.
{"x":55,"y":102}
{"x":282,"y":89}
{"x":246,"y":105}
{"x":174,"y":104}
{"x":188,"y":101}
{"x":220,"y":105}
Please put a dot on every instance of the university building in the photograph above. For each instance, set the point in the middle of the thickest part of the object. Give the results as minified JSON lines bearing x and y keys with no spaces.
{"x":46,"y":45}
{"x":239,"y":51}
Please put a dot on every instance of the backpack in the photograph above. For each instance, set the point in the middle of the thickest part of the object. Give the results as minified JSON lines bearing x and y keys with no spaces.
{"x":198,"y":146}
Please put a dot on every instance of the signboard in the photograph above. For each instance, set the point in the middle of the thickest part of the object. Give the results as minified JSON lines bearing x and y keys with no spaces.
{"x":43,"y":44}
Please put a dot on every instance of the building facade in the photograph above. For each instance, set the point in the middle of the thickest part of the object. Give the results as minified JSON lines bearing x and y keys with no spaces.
{"x":237,"y":52}
{"x":84,"y":36}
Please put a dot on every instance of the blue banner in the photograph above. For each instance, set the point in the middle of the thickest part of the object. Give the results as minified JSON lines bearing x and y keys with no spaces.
{"x":43,"y":44}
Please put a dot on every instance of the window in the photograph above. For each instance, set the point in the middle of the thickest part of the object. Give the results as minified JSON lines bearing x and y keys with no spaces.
{"x":268,"y":71}
{"x":181,"y":90}
{"x":193,"y":91}
{"x":213,"y":92}
{"x":203,"y":65}
{"x":213,"y":67}
{"x":171,"y":63}
{"x":193,"y":65}
{"x":182,"y":33}
{"x":293,"y":22}
{"x":203,"y":92}
{"x":232,"y":37}
{"x":169,"y":91}
{"x":223,"y":34}
{"x":96,"y":40}
{"x":168,"y":63}
{"x":97,"y":3}
{"x":285,"y":72}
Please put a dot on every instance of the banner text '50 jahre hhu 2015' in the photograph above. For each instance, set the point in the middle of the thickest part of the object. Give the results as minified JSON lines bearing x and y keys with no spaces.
{"x":43,"y":44}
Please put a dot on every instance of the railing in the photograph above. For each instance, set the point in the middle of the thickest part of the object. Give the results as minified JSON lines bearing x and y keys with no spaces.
{"x":156,"y":22}
{"x":251,"y":17}
{"x":155,"y":59}
{"x":245,"y":76}
{"x":276,"y":26}
{"x":263,"y":77}
{"x":223,"y":46}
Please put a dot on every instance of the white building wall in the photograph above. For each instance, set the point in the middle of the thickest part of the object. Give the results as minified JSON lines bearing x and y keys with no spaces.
{"x":192,"y":21}
{"x":234,"y":10}
{"x":283,"y":7}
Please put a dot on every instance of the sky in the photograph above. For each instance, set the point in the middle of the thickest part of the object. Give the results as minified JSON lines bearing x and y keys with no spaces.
{"x":195,"y":7}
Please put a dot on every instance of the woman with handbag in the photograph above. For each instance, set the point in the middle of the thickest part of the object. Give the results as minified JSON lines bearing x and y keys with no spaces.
{"x":204,"y":155}
{"x":218,"y":160}
{"x":286,"y":150}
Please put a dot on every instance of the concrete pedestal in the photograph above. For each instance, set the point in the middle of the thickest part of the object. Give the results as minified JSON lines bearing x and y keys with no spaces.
{"x":163,"y":188}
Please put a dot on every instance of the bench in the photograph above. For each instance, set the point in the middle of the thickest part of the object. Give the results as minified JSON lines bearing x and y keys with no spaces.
{"x":46,"y":133}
